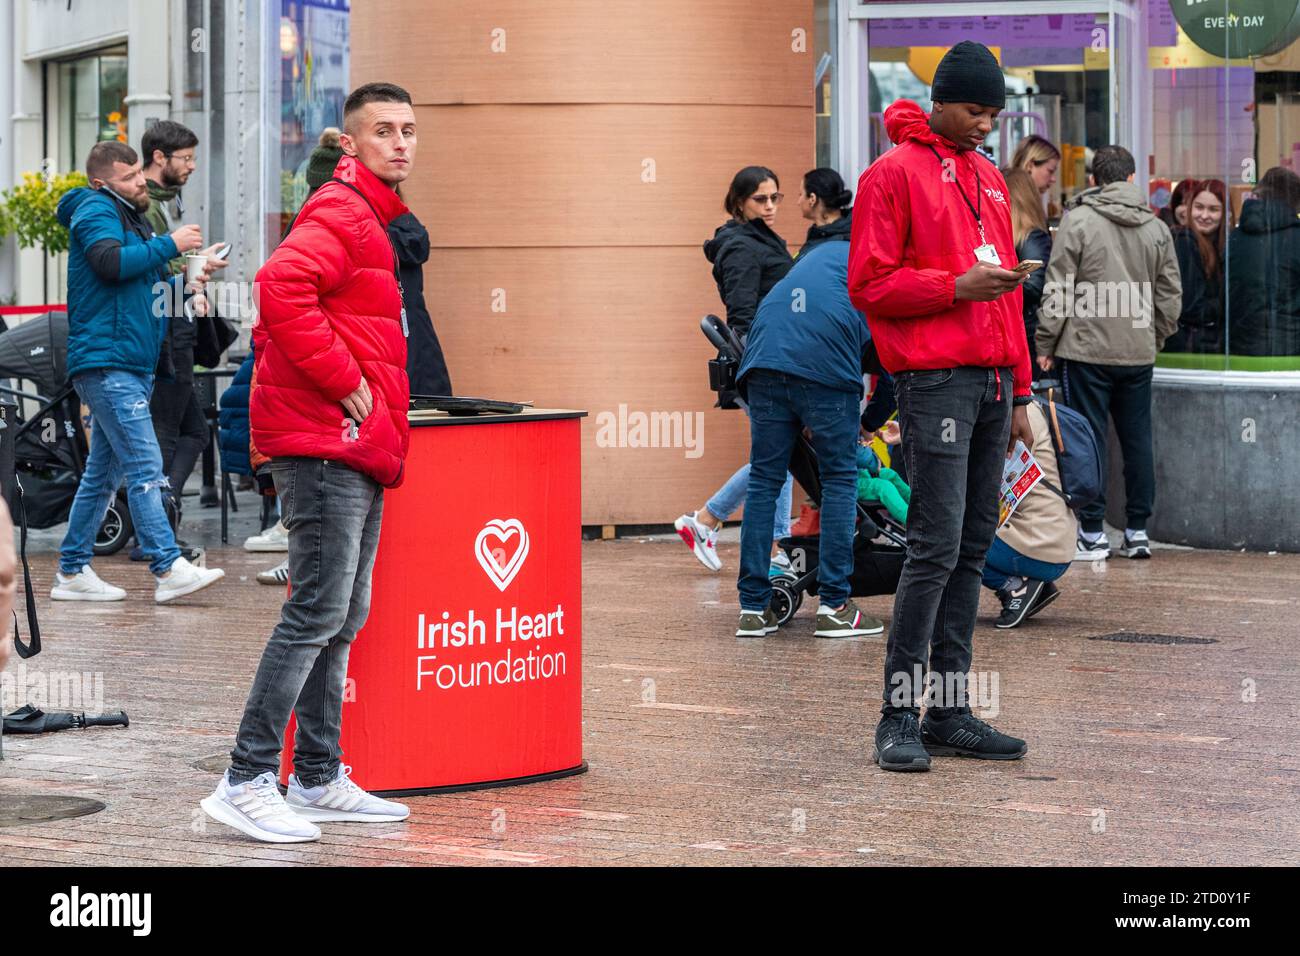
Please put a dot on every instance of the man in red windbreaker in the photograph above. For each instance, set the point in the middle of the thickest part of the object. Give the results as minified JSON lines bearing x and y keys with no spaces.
{"x":330,"y":410}
{"x":931,"y":265}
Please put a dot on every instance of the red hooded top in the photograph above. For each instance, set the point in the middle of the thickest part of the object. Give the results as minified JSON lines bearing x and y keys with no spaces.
{"x":329,"y":312}
{"x":912,"y":235}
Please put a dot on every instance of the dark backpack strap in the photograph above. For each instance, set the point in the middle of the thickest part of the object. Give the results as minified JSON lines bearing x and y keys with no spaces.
{"x":33,"y":625}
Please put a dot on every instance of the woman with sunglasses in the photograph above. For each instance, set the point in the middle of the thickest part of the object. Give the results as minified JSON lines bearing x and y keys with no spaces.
{"x":748,"y":259}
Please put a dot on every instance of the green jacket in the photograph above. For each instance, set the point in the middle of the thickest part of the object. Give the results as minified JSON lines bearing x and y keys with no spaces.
{"x":157,"y":217}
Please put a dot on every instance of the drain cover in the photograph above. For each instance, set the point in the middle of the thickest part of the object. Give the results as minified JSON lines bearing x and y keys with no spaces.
{"x":1127,"y":637}
{"x":216,"y":763}
{"x":43,"y":807}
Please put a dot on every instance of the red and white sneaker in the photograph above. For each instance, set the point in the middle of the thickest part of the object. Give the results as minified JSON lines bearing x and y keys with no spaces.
{"x":700,"y":539}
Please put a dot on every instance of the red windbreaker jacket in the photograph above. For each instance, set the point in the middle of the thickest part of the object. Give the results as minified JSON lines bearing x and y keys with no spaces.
{"x":912,"y":235}
{"x":329,"y":312}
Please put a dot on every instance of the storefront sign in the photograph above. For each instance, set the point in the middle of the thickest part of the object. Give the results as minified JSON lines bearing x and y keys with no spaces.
{"x":1239,"y":28}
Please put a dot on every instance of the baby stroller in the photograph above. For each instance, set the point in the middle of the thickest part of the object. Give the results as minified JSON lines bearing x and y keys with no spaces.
{"x":49,"y":443}
{"x":879,"y":542}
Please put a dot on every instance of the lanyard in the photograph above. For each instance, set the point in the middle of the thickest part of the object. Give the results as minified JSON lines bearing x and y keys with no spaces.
{"x":406,"y":331}
{"x":979,"y":195}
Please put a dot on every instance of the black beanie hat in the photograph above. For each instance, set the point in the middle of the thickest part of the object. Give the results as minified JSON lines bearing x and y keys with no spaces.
{"x":969,"y":73}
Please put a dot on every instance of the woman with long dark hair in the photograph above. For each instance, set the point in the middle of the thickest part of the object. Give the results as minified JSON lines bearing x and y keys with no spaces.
{"x":1029,"y":229}
{"x":748,"y":259}
{"x":1200,"y":247}
{"x":828,"y":204}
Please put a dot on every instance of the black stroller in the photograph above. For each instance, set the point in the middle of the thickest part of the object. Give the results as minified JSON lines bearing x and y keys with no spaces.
{"x":49,"y":443}
{"x":879,"y":542}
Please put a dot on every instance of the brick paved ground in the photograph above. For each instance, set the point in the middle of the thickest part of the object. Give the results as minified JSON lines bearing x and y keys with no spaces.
{"x":753,"y":752}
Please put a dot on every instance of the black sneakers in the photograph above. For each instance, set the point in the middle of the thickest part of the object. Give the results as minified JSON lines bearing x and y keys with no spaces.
{"x":898,"y":743}
{"x":1046,"y":596}
{"x":964,"y":735}
{"x":1017,"y":605}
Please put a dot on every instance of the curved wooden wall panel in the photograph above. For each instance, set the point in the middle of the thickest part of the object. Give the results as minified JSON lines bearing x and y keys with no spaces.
{"x":587,"y":51}
{"x":532,"y":180}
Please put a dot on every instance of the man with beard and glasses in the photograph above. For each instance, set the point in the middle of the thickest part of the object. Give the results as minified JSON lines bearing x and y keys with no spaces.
{"x":168,"y":152}
{"x":115,"y":334}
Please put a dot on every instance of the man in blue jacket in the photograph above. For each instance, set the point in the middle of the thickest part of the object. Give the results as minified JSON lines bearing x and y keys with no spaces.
{"x":118,"y":306}
{"x":803,"y":369}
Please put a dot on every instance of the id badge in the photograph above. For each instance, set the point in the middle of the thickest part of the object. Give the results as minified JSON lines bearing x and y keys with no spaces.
{"x":987,"y":253}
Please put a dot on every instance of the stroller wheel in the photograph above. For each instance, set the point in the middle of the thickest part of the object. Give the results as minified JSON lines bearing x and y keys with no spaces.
{"x":116,"y":530}
{"x":786,"y":599}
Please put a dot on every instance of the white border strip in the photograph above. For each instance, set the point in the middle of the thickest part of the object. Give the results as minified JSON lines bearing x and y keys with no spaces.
{"x":1203,"y":377}
{"x":865,"y":10}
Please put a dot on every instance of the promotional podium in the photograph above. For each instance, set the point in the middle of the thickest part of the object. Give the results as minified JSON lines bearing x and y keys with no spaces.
{"x":468,"y":672}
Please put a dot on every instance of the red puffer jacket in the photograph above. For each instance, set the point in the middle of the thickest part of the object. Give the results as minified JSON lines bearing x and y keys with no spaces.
{"x":329,"y":312}
{"x":912,"y":235}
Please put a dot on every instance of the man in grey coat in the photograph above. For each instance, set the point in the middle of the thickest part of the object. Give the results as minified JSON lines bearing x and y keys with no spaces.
{"x":1112,"y":296}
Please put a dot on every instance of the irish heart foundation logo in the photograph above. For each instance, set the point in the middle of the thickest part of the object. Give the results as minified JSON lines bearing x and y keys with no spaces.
{"x":492,"y":559}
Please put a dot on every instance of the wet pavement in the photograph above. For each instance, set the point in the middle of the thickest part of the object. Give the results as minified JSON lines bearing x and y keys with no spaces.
{"x":706,"y":749}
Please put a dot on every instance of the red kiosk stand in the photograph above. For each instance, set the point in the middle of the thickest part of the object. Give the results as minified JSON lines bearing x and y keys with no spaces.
{"x":468,"y":672}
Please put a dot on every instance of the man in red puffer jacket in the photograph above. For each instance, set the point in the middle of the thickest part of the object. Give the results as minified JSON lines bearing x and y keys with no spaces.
{"x":329,"y":408}
{"x":931,"y":265}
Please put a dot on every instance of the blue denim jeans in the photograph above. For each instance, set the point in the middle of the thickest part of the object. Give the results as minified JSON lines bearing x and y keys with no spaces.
{"x":333,"y":514}
{"x":122,"y":446}
{"x":1003,"y":561}
{"x":732,"y":495}
{"x":780,"y":407}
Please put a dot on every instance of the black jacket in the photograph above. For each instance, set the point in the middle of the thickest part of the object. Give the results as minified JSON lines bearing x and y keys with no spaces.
{"x":748,"y":259}
{"x":1200,"y":326}
{"x":425,"y":366}
{"x":1264,"y":281}
{"x":832,"y":231}
{"x":1037,"y":245}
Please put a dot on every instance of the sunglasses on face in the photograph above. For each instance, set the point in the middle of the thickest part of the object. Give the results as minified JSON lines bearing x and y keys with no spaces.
{"x":773,"y":198}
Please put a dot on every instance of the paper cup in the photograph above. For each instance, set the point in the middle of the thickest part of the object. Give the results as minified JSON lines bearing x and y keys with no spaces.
{"x":194,"y":266}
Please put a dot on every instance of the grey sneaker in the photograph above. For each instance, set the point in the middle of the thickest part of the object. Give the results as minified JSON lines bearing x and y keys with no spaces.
{"x":341,"y":799}
{"x":847,"y":621}
{"x":1086,"y":550}
{"x":1137,"y":546}
{"x":754,"y":624}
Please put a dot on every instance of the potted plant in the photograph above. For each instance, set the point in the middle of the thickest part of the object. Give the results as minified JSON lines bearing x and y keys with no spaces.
{"x":29,"y":210}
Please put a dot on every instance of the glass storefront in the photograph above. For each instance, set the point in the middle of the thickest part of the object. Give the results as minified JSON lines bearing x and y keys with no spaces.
{"x":310,"y":66}
{"x":89,"y":97}
{"x":1209,"y":104}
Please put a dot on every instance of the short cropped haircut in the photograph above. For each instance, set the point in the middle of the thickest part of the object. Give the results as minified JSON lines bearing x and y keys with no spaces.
{"x":167,"y":136}
{"x":102,"y":156}
{"x":373,"y":93}
{"x":1112,"y":164}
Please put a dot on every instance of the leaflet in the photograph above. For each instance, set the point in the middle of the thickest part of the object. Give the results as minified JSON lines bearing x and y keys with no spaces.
{"x":1019,"y":476}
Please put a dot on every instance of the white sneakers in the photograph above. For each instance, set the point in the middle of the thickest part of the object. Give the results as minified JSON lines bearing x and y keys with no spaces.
{"x":274,"y":538}
{"x":184,"y":578}
{"x":258,"y":809}
{"x":700,"y":539}
{"x":85,"y":585}
{"x":341,"y":799}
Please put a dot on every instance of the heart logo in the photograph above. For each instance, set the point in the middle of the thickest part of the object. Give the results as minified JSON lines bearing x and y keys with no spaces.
{"x":501,"y":574}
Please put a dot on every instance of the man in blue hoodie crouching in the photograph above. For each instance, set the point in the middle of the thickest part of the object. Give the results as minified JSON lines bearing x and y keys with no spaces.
{"x":115,"y":333}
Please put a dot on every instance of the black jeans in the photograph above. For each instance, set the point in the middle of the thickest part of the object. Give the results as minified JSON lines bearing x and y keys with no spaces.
{"x":955,"y":425}
{"x":333,"y":515}
{"x":181,"y":428}
{"x":1122,"y":392}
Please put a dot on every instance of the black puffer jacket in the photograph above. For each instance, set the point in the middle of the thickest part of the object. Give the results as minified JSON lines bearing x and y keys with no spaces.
{"x":1037,"y":245}
{"x":1200,"y":326}
{"x":425,"y":366}
{"x":748,"y":259}
{"x":1264,"y":281}
{"x":831,"y":232}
